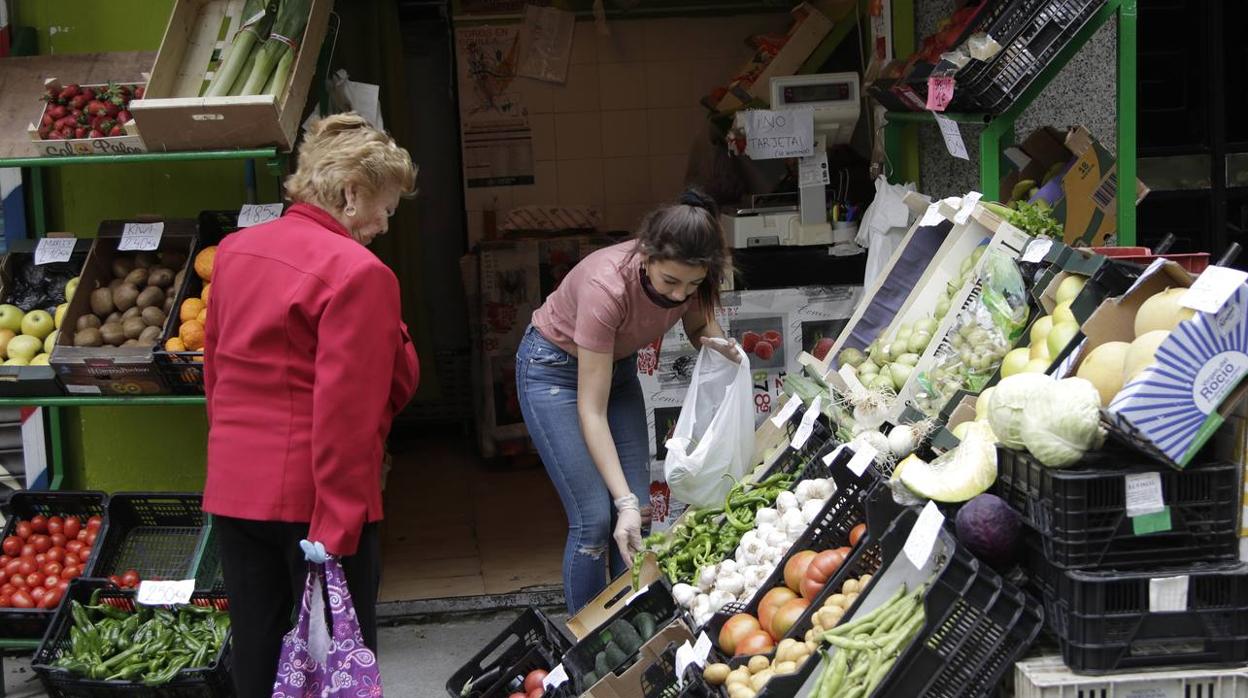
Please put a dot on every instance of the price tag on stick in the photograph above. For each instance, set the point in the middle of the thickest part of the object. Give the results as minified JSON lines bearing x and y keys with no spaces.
{"x":141,"y":237}
{"x":789,"y":409}
{"x":918,"y":547}
{"x":807,"y":425}
{"x":50,"y":250}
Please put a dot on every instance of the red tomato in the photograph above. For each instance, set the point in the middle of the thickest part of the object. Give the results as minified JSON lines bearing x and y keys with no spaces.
{"x":4,"y":578}
{"x":4,"y":560}
{"x":37,"y":594}
{"x":24,"y":530}
{"x":34,"y":579}
{"x":14,"y":567}
{"x":56,"y":525}
{"x":22,"y":600}
{"x":82,"y":535}
{"x":51,"y":599}
{"x":72,"y":526}
{"x":71,"y":560}
{"x":28,"y":550}
{"x":94,"y":523}
{"x":8,"y":589}
{"x":533,"y":680}
{"x":18,"y":581}
{"x":72,"y":572}
{"x":91,"y":538}
{"x":73,"y":546}
{"x":59,"y":540}
{"x":856,"y":533}
{"x":56,"y":555}
{"x":517,"y":694}
{"x":39,"y":523}
{"x":6,"y":601}
{"x":51,"y":582}
{"x":41,"y":542}
{"x":27,"y":565}
{"x":130,"y":579}
{"x":115,"y":580}
{"x":62,"y":585}
{"x":53,"y":569}
{"x":12,"y":546}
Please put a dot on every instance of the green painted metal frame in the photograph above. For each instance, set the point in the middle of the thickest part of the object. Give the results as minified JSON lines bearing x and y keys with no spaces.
{"x":998,"y":132}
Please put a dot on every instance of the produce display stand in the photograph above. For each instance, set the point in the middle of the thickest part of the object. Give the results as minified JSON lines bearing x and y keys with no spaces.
{"x":999,"y":129}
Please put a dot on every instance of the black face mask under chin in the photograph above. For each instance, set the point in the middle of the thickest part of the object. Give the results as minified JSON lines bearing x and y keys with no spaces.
{"x":655,"y":297}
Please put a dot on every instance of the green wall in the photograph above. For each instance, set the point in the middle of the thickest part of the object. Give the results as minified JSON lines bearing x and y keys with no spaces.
{"x":131,"y":448}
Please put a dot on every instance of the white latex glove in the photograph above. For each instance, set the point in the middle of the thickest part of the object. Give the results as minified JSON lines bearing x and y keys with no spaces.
{"x":726,"y":347}
{"x":628,"y":527}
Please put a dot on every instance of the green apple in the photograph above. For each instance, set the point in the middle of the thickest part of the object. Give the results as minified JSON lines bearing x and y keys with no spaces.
{"x":5,"y":336}
{"x":11,"y":317}
{"x":60,"y":314}
{"x":24,"y":347}
{"x":70,"y":287}
{"x":50,"y":341}
{"x":39,"y":360}
{"x":17,"y":362}
{"x":1062,"y":314}
{"x":1070,"y":287}
{"x":1061,"y":335}
{"x":38,"y":324}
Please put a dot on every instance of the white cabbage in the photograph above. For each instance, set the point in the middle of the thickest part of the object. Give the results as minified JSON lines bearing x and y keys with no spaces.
{"x":1063,"y":422}
{"x":1009,"y":403}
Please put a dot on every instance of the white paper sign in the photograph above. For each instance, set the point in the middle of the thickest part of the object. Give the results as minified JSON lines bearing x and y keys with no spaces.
{"x":556,"y":678}
{"x":953,"y":137}
{"x":864,"y":456}
{"x":165,"y":593}
{"x":784,"y":133}
{"x":789,"y":409}
{"x":142,"y":237}
{"x":932,"y":216}
{"x":51,"y":250}
{"x":1167,"y":594}
{"x":684,"y":657}
{"x":807,"y":425}
{"x":255,"y":214}
{"x":850,"y":377}
{"x":1213,"y":288}
{"x":702,"y":648}
{"x":1037,"y":249}
{"x":813,"y":171}
{"x":918,"y":547}
{"x":1144,"y":494}
{"x":831,"y":457}
{"x":968,"y":207}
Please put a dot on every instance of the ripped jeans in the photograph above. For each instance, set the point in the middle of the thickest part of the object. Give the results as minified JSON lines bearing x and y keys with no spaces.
{"x":546,"y":382}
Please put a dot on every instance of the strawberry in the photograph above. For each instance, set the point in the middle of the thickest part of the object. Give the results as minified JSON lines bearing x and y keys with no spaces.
{"x":113,"y":109}
{"x":57,"y":111}
{"x":139,"y":92}
{"x":68,"y":92}
{"x":79,"y":102}
{"x":43,"y":133}
{"x":115,"y":131}
{"x":124,"y":117}
{"x":96,"y":133}
{"x":47,"y":120}
{"x":80,"y":132}
{"x":97,"y":108}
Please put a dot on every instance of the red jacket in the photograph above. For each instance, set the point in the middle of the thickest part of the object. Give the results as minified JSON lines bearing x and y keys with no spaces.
{"x":306,"y":363}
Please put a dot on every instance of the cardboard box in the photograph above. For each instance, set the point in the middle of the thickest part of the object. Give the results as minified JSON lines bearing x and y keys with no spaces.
{"x":753,"y":83}
{"x":1173,"y":408}
{"x":33,"y":381}
{"x":610,"y":600}
{"x":112,"y":370}
{"x":172,"y":116}
{"x":1084,"y":195}
{"x":628,"y":683}
{"x":128,"y":143}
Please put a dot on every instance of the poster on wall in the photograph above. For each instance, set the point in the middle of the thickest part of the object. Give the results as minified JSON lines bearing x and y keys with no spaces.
{"x":774,"y":327}
{"x":494,"y":122}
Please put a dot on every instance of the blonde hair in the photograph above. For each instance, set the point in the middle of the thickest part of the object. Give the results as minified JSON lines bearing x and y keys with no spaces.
{"x":342,"y":150}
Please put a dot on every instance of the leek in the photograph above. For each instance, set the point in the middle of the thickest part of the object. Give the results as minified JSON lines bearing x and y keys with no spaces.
{"x":257,"y":17}
{"x":288,"y":28}
{"x":280,"y":75}
{"x":237,"y":88}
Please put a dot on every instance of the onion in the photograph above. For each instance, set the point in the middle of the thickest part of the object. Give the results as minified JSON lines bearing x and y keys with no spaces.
{"x":902,"y":441}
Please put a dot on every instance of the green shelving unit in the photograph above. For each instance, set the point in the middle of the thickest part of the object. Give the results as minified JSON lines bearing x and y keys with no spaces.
{"x":998,"y":129}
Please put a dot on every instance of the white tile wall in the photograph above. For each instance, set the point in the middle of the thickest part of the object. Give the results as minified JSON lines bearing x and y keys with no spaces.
{"x":617,"y":135}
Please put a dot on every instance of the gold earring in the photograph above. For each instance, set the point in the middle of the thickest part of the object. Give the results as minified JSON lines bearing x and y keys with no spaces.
{"x":349,"y":210}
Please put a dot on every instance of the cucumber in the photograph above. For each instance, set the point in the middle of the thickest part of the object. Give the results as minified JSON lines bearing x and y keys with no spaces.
{"x":625,"y":637}
{"x":645,"y":625}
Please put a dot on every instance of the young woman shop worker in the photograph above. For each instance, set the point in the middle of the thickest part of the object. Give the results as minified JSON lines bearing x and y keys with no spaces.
{"x":576,"y":374}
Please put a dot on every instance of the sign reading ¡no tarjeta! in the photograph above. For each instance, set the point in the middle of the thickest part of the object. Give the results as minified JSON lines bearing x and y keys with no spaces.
{"x":772,"y":134}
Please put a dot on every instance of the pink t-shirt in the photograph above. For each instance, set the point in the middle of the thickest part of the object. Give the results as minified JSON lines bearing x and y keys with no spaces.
{"x":601,"y":305}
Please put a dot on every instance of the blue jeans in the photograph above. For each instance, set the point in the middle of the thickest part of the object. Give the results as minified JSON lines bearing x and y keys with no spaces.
{"x":546,"y":381}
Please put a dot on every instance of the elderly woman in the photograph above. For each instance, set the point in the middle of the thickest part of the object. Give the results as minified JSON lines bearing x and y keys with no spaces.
{"x":306,"y":364}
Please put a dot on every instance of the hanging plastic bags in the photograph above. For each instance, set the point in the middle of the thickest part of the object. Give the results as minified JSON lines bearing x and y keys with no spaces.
{"x":321,"y":659}
{"x":883,"y":226}
{"x":714,"y":435}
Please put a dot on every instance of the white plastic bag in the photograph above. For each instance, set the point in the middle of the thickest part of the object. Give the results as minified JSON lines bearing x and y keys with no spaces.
{"x":883,"y":226}
{"x":714,"y":435}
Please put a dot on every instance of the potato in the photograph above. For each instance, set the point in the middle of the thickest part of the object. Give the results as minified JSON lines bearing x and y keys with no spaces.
{"x":760,"y":679}
{"x":810,"y":635}
{"x":837,"y":600}
{"x":716,"y":674}
{"x":850,"y":599}
{"x":850,"y":586}
{"x":813,"y":647}
{"x":759,"y":663}
{"x":740,"y":690}
{"x":864,"y":580}
{"x":784,"y":651}
{"x":786,"y":667}
{"x":739,"y":676}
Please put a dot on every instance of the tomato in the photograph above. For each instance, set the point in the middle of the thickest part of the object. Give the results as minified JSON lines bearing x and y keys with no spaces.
{"x":130,"y":579}
{"x":115,"y":580}
{"x":822,"y":568}
{"x":534,"y":680}
{"x":72,"y":526}
{"x":41,"y":542}
{"x":24,"y":530}
{"x":39,"y":523}
{"x":4,"y":560}
{"x":14,"y":567}
{"x":6,"y":601}
{"x":34,"y":579}
{"x":94,"y":523}
{"x":757,"y":642}
{"x":62,"y":585}
{"x":70,"y":560}
{"x":18,"y":581}
{"x":91,"y":538}
{"x":59,"y":540}
{"x":22,"y":600}
{"x":517,"y":694}
{"x":28,"y":550}
{"x":735,"y":630}
{"x":536,"y":693}
{"x":50,"y":582}
{"x":856,"y":533}
{"x":4,"y":577}
{"x":74,"y":546}
{"x":53,"y":569}
{"x":12,"y":546}
{"x":27,"y":565}
{"x":8,"y":589}
{"x":51,"y":599}
{"x":56,"y":525}
{"x":82,"y":535}
{"x":56,"y":555}
{"x":72,"y":572}
{"x":37,"y":594}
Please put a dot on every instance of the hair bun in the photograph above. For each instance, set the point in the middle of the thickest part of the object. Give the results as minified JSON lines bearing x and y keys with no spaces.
{"x":338,"y":123}
{"x":699,"y":199}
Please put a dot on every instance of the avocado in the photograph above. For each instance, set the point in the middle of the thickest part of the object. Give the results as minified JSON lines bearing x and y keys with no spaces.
{"x":615,"y":656}
{"x":645,"y":624}
{"x":626,"y":637}
{"x":600,"y":664}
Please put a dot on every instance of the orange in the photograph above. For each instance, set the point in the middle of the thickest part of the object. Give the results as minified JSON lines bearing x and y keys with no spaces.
{"x":192,"y":335}
{"x":203,"y":262}
{"x":175,"y":344}
{"x":191,"y":308}
{"x":204,"y":294}
{"x":202,"y":318}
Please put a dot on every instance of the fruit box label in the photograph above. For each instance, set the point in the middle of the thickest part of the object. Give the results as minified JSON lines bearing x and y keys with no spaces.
{"x":1175,"y":403}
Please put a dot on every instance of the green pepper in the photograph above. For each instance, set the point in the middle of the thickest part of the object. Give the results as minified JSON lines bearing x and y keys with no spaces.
{"x":166,"y":675}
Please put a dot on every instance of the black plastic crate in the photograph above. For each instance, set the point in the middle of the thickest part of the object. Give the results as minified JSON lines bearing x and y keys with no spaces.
{"x":655,"y":599}
{"x":28,"y":623}
{"x":1081,"y":514}
{"x":659,"y":679}
{"x":532,"y":641}
{"x":212,"y":681}
{"x":162,"y":536}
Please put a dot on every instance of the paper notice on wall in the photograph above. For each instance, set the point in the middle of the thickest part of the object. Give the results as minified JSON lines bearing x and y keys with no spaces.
{"x":772,"y":134}
{"x":546,"y":43}
{"x":494,"y":121}
{"x":953,"y":137}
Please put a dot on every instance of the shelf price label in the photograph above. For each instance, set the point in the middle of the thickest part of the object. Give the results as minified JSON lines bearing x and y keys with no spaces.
{"x":165,"y":593}
{"x":255,"y":214}
{"x":922,"y":539}
{"x":51,"y":250}
{"x":789,"y":409}
{"x":141,"y":237}
{"x":808,"y":424}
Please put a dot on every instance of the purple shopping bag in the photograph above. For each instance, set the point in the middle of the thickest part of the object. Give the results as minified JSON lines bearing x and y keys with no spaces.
{"x":319,"y":659}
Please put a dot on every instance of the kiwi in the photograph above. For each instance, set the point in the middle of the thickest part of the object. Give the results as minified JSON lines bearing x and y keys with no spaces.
{"x":133,"y":327}
{"x":160,"y":276}
{"x":151,"y":296}
{"x":145,"y":260}
{"x":138,"y":277}
{"x":122,"y":266}
{"x":168,"y":304}
{"x":178,"y":278}
{"x":131,"y":342}
{"x":88,"y":321}
{"x":102,"y":301}
{"x":115,"y":284}
{"x":149,"y":335}
{"x":132,"y":312}
{"x":113,"y":334}
{"x":153,"y":316}
{"x":125,"y":296}
{"x":88,"y":337}
{"x":172,"y":259}
{"x":114,"y":318}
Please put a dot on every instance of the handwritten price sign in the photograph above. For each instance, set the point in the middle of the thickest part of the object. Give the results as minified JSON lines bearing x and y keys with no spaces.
{"x":165,"y":593}
{"x":52,"y":250}
{"x":141,"y":237}
{"x":255,"y":214}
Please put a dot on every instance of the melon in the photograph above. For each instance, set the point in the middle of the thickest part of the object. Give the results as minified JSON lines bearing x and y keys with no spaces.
{"x":1162,"y":311}
{"x":981,"y":403}
{"x":1141,"y":353}
{"x":957,"y":475}
{"x":1103,"y":368}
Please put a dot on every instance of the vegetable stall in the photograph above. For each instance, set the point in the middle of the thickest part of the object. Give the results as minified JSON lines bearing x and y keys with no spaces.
{"x":965,"y":481}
